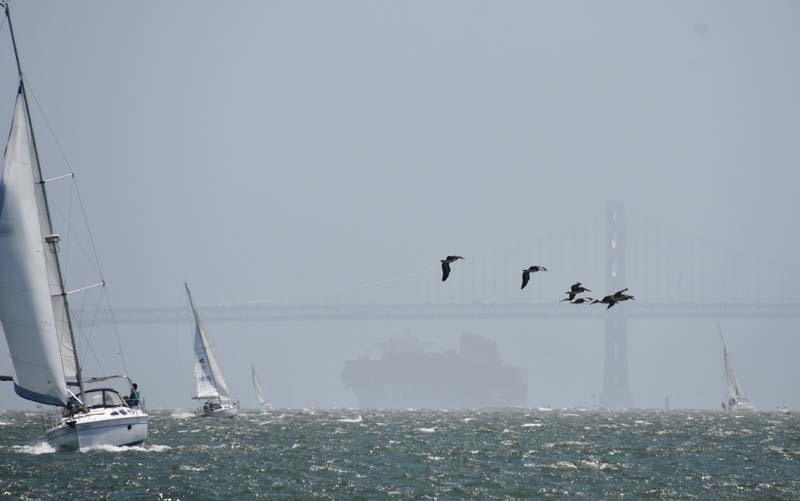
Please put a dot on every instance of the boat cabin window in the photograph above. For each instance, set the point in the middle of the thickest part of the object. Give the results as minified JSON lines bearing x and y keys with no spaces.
{"x":103,"y":398}
{"x":113,"y":399}
{"x":93,"y":399}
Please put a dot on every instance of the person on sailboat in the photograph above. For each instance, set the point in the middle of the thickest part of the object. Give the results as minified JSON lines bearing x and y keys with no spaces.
{"x":135,"y":398}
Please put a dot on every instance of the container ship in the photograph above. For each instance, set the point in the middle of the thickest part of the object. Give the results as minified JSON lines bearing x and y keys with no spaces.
{"x":407,"y":375}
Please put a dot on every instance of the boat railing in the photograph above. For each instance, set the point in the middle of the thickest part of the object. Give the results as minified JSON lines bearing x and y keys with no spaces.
{"x":50,"y":419}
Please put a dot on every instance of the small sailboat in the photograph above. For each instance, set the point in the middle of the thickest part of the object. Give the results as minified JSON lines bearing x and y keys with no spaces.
{"x":265,"y":406}
{"x":211,"y":386}
{"x":736,"y":399}
{"x":34,"y":310}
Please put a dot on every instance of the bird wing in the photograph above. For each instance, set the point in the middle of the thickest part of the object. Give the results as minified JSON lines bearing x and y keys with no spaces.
{"x":526,"y":275}
{"x":445,"y":270}
{"x":571,"y":296}
{"x":612,"y":303}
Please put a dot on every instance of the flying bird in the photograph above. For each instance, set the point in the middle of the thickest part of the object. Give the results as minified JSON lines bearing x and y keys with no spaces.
{"x":615,"y":298}
{"x":446,"y":265}
{"x":574,"y":290}
{"x":526,"y":274}
{"x":609,"y":300}
{"x":579,"y":300}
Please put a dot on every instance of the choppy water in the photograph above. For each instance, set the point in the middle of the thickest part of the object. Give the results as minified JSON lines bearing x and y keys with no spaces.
{"x":341,"y":453}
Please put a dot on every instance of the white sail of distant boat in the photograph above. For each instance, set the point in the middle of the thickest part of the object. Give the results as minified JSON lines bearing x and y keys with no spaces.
{"x":259,"y":392}
{"x":34,"y":310}
{"x":210,"y":385}
{"x":736,"y":399}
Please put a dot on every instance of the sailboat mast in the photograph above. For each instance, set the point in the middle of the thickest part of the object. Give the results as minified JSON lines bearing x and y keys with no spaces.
{"x":62,"y":289}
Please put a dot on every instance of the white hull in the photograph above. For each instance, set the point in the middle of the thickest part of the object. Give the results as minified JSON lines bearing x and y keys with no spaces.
{"x":226,"y":411}
{"x":742,"y":405}
{"x":116,"y":426}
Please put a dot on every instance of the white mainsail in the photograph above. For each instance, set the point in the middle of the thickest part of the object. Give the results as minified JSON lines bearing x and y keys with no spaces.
{"x":257,"y":387}
{"x":734,"y":391}
{"x":210,"y":383}
{"x":736,"y":398}
{"x":35,"y":334}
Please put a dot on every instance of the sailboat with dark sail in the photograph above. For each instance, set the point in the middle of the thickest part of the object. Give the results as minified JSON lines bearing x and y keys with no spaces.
{"x":34,"y":307}
{"x":211,"y":386}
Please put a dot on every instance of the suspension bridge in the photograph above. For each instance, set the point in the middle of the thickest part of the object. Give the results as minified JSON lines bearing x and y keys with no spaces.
{"x":621,"y":257}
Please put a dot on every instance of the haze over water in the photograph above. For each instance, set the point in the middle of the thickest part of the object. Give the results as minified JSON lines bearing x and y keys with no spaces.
{"x":316,"y":153}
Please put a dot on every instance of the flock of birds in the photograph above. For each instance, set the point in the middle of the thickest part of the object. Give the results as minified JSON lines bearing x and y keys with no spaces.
{"x":572,"y":294}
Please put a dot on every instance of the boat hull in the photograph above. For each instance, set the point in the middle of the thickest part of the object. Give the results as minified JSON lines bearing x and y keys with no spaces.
{"x":742,"y":406}
{"x":97,"y":428}
{"x":226,"y":411}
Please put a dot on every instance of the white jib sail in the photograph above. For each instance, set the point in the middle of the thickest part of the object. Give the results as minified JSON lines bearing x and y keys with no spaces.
{"x":734,"y":391}
{"x":257,"y":387}
{"x":26,"y":306}
{"x":210,"y":383}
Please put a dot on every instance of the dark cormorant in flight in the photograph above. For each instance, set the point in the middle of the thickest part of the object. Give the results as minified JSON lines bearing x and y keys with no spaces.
{"x":446,"y":265}
{"x":526,"y":274}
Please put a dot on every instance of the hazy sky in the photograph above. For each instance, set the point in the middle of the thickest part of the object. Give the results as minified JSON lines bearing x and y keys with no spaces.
{"x":277,"y":150}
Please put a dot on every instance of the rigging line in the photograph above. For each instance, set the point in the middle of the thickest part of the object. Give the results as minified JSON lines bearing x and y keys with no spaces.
{"x":86,"y":222}
{"x":70,"y":231}
{"x":116,"y":331}
{"x":87,"y":340}
{"x":47,"y":123}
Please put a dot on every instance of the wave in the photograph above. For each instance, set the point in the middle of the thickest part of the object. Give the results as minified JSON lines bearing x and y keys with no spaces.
{"x":531,"y":425}
{"x":351,"y":420}
{"x":179,"y":414}
{"x":36,"y":449}
{"x":136,"y":448}
{"x":426,"y":430}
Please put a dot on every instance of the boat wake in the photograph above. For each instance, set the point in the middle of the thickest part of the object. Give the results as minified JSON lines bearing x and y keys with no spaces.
{"x":36,"y":449}
{"x":136,"y":448}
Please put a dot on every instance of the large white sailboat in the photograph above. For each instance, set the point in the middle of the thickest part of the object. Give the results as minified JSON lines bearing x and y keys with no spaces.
{"x":211,"y":386}
{"x":736,"y":399}
{"x":34,"y":310}
{"x":265,"y":405}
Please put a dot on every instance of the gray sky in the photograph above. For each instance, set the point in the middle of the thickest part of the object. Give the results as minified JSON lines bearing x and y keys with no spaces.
{"x":283,"y":150}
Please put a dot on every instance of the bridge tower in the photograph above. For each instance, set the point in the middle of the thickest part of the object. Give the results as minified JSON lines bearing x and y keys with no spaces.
{"x":616,"y":392}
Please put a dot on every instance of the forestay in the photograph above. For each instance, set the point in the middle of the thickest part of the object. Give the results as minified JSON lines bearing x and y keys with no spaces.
{"x":27,"y":291}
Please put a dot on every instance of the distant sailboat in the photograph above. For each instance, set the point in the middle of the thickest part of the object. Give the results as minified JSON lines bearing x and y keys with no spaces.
{"x":211,"y":385}
{"x":736,"y":399}
{"x":34,"y":310}
{"x":266,"y":406}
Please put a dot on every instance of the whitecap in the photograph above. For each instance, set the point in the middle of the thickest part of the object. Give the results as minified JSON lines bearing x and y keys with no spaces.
{"x":352,"y":420}
{"x":179,"y":414}
{"x":531,"y":425}
{"x":36,"y":449}
{"x":136,"y":448}
{"x":426,"y":430}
